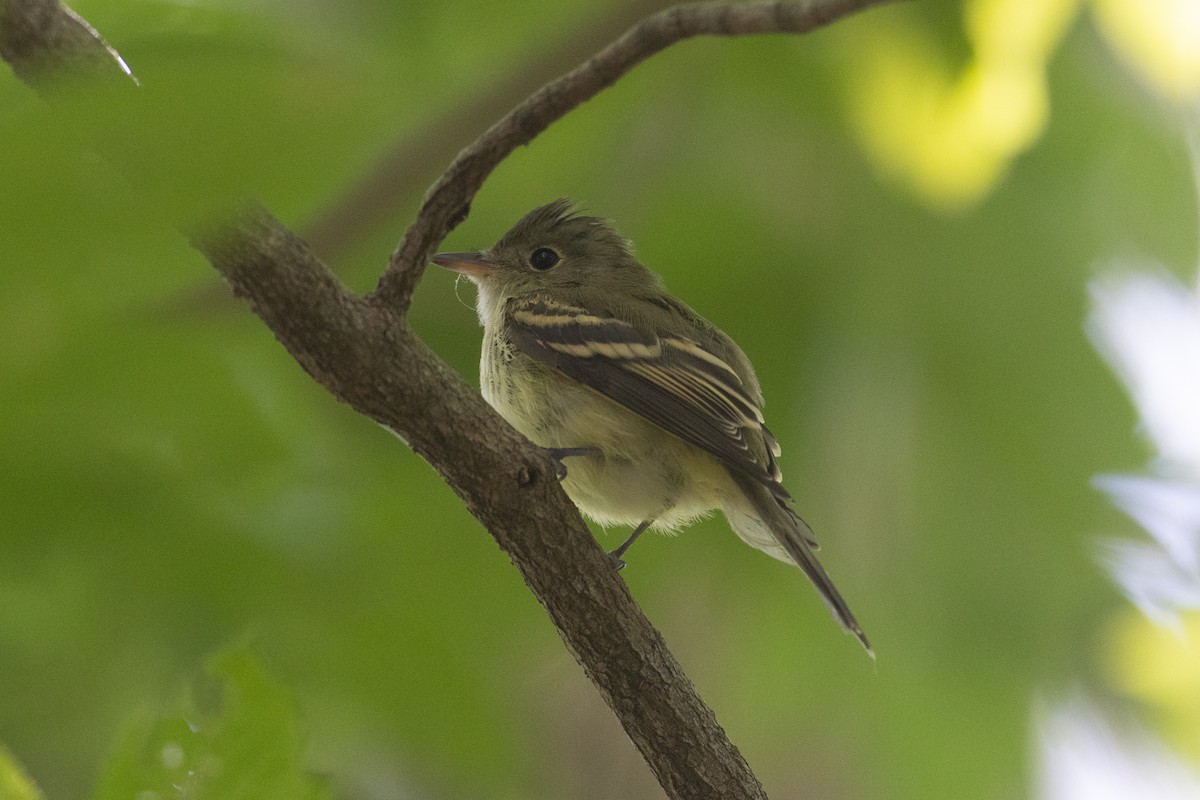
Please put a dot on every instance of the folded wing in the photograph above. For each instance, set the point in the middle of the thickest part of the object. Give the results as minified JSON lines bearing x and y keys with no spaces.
{"x":673,"y":381}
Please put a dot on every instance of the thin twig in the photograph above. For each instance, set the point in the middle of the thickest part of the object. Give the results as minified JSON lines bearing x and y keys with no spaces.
{"x":448,"y":201}
{"x":406,"y":167}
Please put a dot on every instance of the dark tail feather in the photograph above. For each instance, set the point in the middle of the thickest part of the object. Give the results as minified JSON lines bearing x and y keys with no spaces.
{"x":803,"y":555}
{"x":786,"y":529}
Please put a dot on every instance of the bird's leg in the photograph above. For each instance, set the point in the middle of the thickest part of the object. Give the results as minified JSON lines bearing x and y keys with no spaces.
{"x":557,"y":454}
{"x":615,"y":555}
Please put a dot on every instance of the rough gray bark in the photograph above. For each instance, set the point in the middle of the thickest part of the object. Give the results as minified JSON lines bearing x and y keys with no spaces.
{"x":44,"y":40}
{"x":362,"y":350}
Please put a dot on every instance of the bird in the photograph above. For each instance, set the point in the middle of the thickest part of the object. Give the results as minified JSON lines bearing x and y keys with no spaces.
{"x":658,"y":411}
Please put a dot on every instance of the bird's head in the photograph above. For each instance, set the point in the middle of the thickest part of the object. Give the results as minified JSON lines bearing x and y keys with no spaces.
{"x":553,"y":247}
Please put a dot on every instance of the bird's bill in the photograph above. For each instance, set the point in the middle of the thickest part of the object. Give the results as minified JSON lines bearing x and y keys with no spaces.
{"x":473,"y":265}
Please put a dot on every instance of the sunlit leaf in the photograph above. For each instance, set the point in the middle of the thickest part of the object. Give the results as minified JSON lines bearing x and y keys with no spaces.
{"x":14,"y":783}
{"x":1159,"y":38}
{"x":951,"y":132}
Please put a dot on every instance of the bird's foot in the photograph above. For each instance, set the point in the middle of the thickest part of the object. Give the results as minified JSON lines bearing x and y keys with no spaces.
{"x":557,"y":454}
{"x":617,"y":555}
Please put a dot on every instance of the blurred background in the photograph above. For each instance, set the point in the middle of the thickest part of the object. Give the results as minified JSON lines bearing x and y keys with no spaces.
{"x":958,"y":240}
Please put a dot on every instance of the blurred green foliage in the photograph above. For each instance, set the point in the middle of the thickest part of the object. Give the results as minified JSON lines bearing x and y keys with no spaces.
{"x":171,"y":481}
{"x":251,"y":749}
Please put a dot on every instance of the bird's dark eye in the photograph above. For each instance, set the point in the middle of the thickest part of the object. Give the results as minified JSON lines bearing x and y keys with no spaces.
{"x":543,"y":259}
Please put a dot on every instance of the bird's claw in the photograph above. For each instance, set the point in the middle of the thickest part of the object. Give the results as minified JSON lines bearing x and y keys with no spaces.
{"x":557,"y":454}
{"x":560,"y":469}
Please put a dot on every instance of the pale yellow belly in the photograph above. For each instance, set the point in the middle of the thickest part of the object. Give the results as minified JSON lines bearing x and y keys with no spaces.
{"x":642,"y":473}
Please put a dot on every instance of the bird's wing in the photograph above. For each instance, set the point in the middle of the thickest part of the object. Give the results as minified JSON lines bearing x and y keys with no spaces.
{"x":671,"y":380}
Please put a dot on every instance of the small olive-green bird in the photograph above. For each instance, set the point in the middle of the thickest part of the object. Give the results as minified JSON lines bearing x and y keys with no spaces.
{"x":587,"y":354}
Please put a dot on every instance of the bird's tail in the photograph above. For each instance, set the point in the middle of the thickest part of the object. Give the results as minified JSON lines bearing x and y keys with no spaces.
{"x":772,"y":527}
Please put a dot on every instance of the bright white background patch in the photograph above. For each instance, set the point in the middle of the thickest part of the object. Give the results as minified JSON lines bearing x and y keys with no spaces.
{"x":1082,"y":757}
{"x":1148,"y":327}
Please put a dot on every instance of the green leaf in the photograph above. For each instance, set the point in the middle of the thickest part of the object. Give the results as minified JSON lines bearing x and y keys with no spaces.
{"x":250,"y":748}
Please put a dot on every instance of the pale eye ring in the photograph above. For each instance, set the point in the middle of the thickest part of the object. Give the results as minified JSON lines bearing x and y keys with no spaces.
{"x":543,"y":259}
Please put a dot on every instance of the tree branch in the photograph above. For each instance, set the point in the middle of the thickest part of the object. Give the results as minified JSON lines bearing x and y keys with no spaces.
{"x":410,"y":163}
{"x":364,"y":353}
{"x":362,"y":350}
{"x":42,"y":39}
{"x":448,"y":201}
